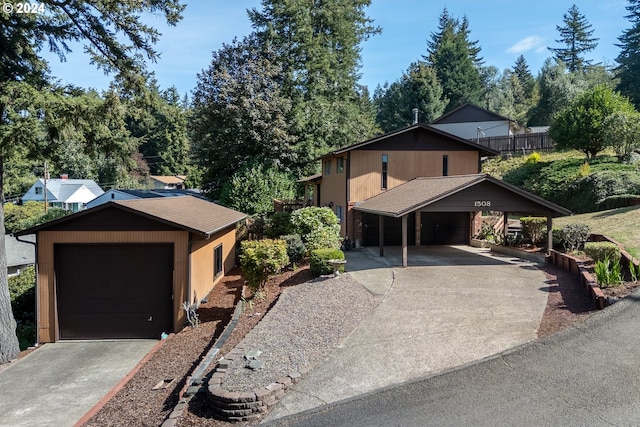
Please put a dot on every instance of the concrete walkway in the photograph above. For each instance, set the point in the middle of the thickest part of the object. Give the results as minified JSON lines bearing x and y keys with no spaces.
{"x":451,"y":306}
{"x":60,"y":382}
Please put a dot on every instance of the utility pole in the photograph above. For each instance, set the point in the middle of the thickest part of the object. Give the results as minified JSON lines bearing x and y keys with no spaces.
{"x":46,"y":176}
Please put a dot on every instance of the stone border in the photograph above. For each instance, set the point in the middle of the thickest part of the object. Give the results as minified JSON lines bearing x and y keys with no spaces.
{"x":194,"y":382}
{"x":245,"y":405}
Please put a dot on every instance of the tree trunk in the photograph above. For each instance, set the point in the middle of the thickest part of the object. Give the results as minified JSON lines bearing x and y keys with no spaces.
{"x":9,"y":346}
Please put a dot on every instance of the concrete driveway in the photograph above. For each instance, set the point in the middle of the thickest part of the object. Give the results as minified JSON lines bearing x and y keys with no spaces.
{"x":60,"y":382}
{"x":453,"y":305}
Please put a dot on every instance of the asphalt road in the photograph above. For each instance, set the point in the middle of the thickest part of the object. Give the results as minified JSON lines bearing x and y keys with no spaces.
{"x":587,"y":375}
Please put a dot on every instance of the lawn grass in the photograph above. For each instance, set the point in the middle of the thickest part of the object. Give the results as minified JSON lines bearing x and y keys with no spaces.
{"x":622,"y":224}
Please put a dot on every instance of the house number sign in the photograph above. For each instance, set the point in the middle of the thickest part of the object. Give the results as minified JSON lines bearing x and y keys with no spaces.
{"x":482,"y":203}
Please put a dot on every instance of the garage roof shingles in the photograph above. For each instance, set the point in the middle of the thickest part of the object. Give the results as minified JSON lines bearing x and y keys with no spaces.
{"x":188,"y":212}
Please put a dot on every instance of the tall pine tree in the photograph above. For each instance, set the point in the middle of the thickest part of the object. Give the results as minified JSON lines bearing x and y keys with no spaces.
{"x":417,"y":88}
{"x":319,"y":45}
{"x":577,"y":37}
{"x":456,"y":62}
{"x":628,"y":70}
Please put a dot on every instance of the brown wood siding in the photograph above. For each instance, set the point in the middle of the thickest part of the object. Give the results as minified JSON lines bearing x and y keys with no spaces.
{"x":334,"y":189}
{"x":366,"y":167}
{"x":202,"y":280}
{"x":47,"y":322}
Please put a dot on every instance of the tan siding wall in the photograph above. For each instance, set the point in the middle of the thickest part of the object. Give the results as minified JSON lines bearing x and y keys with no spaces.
{"x":47,"y":325}
{"x":202,"y":280}
{"x":334,"y":189}
{"x":366,"y":168}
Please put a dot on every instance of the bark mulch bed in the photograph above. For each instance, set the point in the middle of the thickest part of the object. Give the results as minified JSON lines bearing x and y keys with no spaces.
{"x":136,"y":404}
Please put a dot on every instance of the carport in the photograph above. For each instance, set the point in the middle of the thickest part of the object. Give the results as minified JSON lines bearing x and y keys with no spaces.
{"x":451,"y":200}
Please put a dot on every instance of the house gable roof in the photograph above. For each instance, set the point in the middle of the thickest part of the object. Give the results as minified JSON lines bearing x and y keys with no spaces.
{"x":470,"y":113}
{"x":398,"y":140}
{"x":183,"y":212}
{"x":61,"y":190}
{"x":423,"y":193}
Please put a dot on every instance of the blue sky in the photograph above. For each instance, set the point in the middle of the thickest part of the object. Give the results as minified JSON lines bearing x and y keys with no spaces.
{"x":504,"y":29}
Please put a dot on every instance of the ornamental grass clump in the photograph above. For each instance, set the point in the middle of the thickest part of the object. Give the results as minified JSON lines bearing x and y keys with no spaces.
{"x":608,"y":273}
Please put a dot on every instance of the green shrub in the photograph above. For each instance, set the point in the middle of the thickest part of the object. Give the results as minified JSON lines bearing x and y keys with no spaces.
{"x":618,"y":201}
{"x":598,"y":251}
{"x":534,"y":228}
{"x":252,"y":189}
{"x":318,"y":227}
{"x":296,"y":249}
{"x":319,"y":264}
{"x":22,"y":294}
{"x":575,"y":236}
{"x":261,"y":259}
{"x":279,"y":225}
{"x":608,"y":273}
{"x":558,"y":238}
{"x":257,"y":227}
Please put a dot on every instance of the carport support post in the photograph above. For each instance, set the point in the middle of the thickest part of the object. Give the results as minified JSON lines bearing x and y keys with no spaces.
{"x":505,"y":230}
{"x":404,"y":240}
{"x":381,"y":234}
{"x":549,"y":233}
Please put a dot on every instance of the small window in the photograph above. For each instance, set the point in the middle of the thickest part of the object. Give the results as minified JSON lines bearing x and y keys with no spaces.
{"x":340,"y":213}
{"x":217,"y":261}
{"x":340,"y":165}
{"x":385,"y":170}
{"x":38,"y":190}
{"x":327,"y":167}
{"x":445,"y":165}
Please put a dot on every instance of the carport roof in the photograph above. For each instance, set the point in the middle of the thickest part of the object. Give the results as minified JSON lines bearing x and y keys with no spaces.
{"x":421,"y":192}
{"x":184,"y":212}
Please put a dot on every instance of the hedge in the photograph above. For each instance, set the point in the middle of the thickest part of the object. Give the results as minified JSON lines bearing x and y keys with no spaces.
{"x":319,"y":260}
{"x":261,"y":259}
{"x":598,"y":251}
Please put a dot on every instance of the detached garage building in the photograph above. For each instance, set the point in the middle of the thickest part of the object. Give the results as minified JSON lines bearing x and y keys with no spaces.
{"x":124,"y":268}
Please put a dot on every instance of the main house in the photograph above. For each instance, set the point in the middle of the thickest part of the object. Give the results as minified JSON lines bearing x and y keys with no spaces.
{"x":64,"y":193}
{"x":415,"y":186}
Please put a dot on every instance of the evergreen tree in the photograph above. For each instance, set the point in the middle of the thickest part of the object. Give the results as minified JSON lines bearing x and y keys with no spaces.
{"x":240,"y":115}
{"x":159,"y":122}
{"x":456,"y":62}
{"x":576,"y":36}
{"x":319,"y":46}
{"x":417,"y":88}
{"x":521,"y":70}
{"x":628,"y":70}
{"x":32,"y":116}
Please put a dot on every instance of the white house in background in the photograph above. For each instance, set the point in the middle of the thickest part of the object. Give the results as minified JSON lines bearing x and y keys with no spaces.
{"x":159,"y":182}
{"x":65,"y":193}
{"x":112,"y":195}
{"x":20,"y":254}
{"x":472,"y":122}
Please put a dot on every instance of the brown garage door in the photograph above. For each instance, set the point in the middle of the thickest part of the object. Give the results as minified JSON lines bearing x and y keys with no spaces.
{"x":445,"y":228}
{"x":114,"y":291}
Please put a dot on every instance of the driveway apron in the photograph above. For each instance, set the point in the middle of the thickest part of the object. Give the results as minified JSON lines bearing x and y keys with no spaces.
{"x":451,"y":306}
{"x":60,"y":382}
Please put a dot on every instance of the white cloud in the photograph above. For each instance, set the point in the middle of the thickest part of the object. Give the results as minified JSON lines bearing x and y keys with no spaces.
{"x":530,"y":43}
